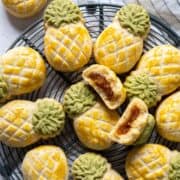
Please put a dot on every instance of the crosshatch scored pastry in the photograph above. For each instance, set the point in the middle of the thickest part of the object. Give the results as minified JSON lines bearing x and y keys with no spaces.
{"x":67,"y":43}
{"x":92,"y":120}
{"x":120,"y":45}
{"x":135,"y":125}
{"x":163,"y":64}
{"x":46,"y":163}
{"x":24,"y":122}
{"x":22,"y":71}
{"x":153,"y":161}
{"x":24,"y":9}
{"x":168,"y":118}
{"x":157,"y":74}
{"x":93,"y":166}
{"x":106,"y":84}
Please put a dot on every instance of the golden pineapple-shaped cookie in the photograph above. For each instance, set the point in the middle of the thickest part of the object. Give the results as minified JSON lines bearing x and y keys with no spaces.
{"x":157,"y":74}
{"x":148,"y":162}
{"x":24,"y":122}
{"x":163,"y":64}
{"x":24,"y":9}
{"x":67,"y":43}
{"x":45,"y":163}
{"x":94,"y":126}
{"x":120,"y":45}
{"x":168,"y":118}
{"x":22,"y":71}
{"x":92,"y":120}
{"x":151,"y":162}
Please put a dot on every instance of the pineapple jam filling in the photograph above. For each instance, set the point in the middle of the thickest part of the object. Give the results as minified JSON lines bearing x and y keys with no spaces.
{"x":102,"y":83}
{"x":124,"y":128}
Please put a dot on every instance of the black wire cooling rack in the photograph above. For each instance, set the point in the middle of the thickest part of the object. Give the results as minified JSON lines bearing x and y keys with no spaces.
{"x":97,"y":16}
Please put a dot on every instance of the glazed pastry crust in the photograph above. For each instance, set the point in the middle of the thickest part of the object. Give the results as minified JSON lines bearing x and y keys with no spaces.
{"x":16,"y":124}
{"x":106,"y":84}
{"x":68,"y":48}
{"x":112,"y":175}
{"x":168,"y":118}
{"x":118,"y":49}
{"x":24,"y":9}
{"x":93,"y":127}
{"x":131,"y":124}
{"x":163,"y":64}
{"x":23,"y":69}
{"x":45,"y":162}
{"x":147,"y":162}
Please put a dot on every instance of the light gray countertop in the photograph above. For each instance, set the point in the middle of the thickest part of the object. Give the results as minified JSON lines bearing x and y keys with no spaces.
{"x":11,"y":27}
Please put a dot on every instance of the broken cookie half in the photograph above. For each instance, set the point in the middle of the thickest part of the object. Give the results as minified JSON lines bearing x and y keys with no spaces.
{"x":106,"y":84}
{"x":135,"y":125}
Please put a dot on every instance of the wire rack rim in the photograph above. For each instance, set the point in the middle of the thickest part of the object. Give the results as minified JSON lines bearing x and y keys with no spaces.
{"x":12,"y":170}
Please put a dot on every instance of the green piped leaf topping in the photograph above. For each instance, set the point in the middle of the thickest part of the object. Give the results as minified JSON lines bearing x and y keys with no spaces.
{"x":89,"y":166}
{"x":142,"y":86}
{"x":49,"y":118}
{"x":61,"y":12}
{"x":135,"y":19}
{"x":78,"y":99}
{"x":174,"y":171}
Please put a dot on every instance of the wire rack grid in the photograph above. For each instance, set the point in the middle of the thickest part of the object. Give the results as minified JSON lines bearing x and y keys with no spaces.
{"x":97,"y":16}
